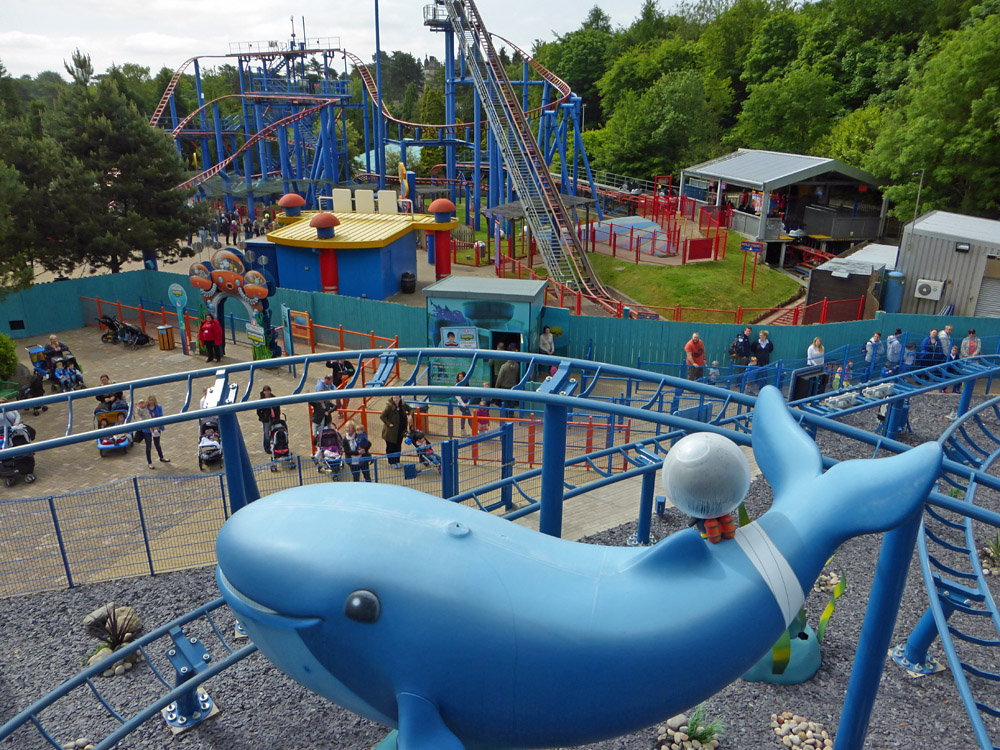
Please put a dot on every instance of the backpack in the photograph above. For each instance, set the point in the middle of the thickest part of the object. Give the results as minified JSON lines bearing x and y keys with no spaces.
{"x":733,"y":348}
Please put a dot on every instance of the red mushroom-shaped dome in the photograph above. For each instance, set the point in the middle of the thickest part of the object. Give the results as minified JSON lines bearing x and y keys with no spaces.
{"x":291,"y":200}
{"x":324,"y":220}
{"x":441,"y":206}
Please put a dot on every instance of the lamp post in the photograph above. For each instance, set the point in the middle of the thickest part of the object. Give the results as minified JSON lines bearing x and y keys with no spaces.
{"x":920,"y":187}
{"x":583,"y":123}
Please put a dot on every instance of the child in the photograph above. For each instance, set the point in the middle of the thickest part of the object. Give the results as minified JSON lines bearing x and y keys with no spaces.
{"x":63,"y":376}
{"x":122,"y":437}
{"x":713,"y":373}
{"x":909,"y":358}
{"x":953,"y":356}
{"x":463,"y":406}
{"x":482,"y":422}
{"x":74,"y":376}
{"x":750,"y":376}
{"x":209,"y":439}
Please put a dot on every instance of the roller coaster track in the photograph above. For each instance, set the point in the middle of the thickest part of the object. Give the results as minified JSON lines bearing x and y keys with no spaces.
{"x":552,"y":227}
{"x":957,"y":589}
{"x":255,"y":97}
{"x":252,"y":141}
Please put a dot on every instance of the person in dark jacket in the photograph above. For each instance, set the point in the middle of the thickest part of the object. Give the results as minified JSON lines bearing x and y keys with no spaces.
{"x":762,"y":348}
{"x":931,"y":352}
{"x":394,"y":423}
{"x":744,"y":347}
{"x":266,"y":415}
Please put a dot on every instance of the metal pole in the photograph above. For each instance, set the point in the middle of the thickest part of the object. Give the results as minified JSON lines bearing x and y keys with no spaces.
{"x":379,"y":120}
{"x":553,"y":469}
{"x":920,"y":187}
{"x":876,"y":633}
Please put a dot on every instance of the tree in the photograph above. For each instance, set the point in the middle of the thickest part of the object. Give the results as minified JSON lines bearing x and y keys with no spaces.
{"x":638,"y":68}
{"x":431,"y":111}
{"x":132,"y":205}
{"x":947,"y":126}
{"x":669,"y":126}
{"x":853,"y":136}
{"x":790,"y":113}
{"x":773,"y":49}
{"x":579,"y":60}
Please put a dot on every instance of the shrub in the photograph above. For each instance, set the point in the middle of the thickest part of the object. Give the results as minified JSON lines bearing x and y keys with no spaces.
{"x":8,"y":357}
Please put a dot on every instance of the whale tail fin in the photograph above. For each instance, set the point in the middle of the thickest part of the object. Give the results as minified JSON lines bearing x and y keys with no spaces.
{"x":854,"y":497}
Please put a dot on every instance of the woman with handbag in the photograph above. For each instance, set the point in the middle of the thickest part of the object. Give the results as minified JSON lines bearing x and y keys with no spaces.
{"x":149,"y":408}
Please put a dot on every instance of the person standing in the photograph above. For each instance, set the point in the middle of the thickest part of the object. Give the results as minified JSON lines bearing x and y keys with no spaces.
{"x":874,"y":350}
{"x":953,"y":356}
{"x":463,"y":405}
{"x":210,"y":336}
{"x":931,"y":352}
{"x":894,"y":350}
{"x":267,"y":415}
{"x":694,"y":353}
{"x":394,"y":422}
{"x":356,"y":445}
{"x":971,"y":346}
{"x":546,"y":343}
{"x":508,"y":377}
{"x":744,"y":347}
{"x":814,"y":354}
{"x":945,"y":338}
{"x":149,"y":408}
{"x":762,"y":348}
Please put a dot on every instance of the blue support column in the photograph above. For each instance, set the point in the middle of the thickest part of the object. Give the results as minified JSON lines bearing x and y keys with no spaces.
{"x":449,"y":110}
{"x":965,"y":400}
{"x":507,"y":463}
{"x":240,"y":480}
{"x":553,"y":469}
{"x":876,"y":633}
{"x":379,"y":119}
{"x":449,"y":468}
{"x":646,"y":507}
{"x":913,"y":655}
{"x":477,"y":177}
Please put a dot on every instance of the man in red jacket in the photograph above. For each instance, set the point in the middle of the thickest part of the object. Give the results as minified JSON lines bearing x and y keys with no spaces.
{"x":694,"y":351}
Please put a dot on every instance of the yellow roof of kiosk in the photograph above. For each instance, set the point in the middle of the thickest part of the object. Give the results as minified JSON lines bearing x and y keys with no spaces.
{"x":355,"y":230}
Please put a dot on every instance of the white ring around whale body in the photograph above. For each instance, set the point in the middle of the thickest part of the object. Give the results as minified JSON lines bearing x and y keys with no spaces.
{"x":773,"y":568}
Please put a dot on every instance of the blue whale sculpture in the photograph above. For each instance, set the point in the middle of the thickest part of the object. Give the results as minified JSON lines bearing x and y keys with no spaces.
{"x":464,"y":630}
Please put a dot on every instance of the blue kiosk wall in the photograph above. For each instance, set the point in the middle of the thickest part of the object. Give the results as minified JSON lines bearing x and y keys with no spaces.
{"x":501,"y":310}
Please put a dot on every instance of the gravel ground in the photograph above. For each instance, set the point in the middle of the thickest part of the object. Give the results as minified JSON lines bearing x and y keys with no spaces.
{"x":42,"y":643}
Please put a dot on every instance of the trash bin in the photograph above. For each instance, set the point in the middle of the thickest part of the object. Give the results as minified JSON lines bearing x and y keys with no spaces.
{"x":408,"y":283}
{"x":165,"y":334}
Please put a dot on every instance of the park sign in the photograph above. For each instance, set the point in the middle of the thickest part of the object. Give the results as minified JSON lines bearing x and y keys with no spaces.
{"x":752,"y":247}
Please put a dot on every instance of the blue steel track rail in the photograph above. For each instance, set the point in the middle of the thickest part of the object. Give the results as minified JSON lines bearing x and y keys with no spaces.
{"x":960,"y":468}
{"x":160,"y":636}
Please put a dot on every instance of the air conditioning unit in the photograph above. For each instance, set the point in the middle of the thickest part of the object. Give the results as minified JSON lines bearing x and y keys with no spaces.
{"x":928,"y":289}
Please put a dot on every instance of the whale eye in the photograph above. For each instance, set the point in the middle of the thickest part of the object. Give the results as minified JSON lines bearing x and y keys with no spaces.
{"x":363,"y":606}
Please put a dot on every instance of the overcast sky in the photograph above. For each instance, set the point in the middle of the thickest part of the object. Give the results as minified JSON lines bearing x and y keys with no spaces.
{"x":40,"y":35}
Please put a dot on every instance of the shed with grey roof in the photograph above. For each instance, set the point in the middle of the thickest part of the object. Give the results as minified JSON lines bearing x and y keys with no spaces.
{"x":950,"y":259}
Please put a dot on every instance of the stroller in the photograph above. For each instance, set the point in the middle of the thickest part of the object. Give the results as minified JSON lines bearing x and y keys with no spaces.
{"x":34,"y":389}
{"x":118,"y":442}
{"x":280,"y":451}
{"x":425,"y":451}
{"x":209,"y":442}
{"x":18,"y":466}
{"x":329,"y":451}
{"x":41,"y":364}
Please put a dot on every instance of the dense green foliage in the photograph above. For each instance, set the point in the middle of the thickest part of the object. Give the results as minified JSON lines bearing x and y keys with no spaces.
{"x":897,"y":88}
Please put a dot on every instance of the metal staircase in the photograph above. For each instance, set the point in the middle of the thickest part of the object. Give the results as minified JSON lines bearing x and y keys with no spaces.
{"x":550,"y":221}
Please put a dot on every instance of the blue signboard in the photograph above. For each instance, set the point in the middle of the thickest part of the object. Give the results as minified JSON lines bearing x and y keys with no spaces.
{"x":752,"y":247}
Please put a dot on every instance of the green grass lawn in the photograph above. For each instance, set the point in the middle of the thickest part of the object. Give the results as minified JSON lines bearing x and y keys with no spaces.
{"x":713,"y":285}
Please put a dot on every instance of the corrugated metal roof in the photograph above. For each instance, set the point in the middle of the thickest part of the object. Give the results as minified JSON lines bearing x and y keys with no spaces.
{"x":877,"y":255}
{"x":959,"y":227}
{"x":753,"y":168}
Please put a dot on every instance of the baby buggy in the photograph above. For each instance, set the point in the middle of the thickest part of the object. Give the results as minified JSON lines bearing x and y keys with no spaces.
{"x":280,"y":450}
{"x":425,"y":451}
{"x":41,"y":363}
{"x":18,"y":466}
{"x":119,"y":441}
{"x":209,"y":442}
{"x":329,"y":451}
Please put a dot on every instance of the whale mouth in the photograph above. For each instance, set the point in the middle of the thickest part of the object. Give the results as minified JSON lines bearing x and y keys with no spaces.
{"x":244,"y":605}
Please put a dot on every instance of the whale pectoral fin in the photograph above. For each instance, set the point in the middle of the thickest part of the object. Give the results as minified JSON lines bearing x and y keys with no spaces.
{"x":421,"y":726}
{"x":784,"y":452}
